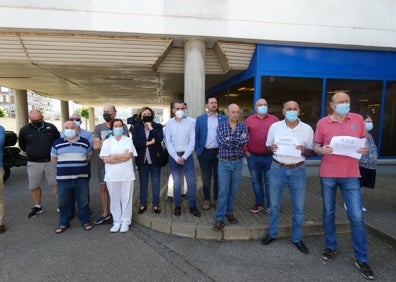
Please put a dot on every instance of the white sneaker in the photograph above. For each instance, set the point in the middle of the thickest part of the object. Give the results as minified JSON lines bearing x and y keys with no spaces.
{"x":124,"y":228}
{"x":115,"y":228}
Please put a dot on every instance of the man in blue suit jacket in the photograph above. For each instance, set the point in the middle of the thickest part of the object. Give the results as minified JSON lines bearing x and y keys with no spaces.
{"x":206,"y":147}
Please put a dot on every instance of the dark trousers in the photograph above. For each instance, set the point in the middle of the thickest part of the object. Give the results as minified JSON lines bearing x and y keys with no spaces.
{"x":208,"y":162}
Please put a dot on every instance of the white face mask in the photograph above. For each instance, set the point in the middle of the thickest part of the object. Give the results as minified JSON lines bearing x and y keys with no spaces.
{"x":179,"y":114}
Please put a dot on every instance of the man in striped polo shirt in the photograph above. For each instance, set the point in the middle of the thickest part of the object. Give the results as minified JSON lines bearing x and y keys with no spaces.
{"x":71,"y":155}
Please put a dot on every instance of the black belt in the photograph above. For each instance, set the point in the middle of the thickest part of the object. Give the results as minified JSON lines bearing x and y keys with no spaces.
{"x":289,"y":165}
{"x":232,"y":158}
{"x":212,"y":149}
{"x":180,"y":153}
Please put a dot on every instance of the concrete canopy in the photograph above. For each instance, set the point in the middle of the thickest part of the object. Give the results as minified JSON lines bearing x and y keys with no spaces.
{"x":94,"y":70}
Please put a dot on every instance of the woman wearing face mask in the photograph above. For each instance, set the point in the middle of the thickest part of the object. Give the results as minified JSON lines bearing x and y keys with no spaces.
{"x":147,"y":137}
{"x":368,"y":163}
{"x":117,"y":153}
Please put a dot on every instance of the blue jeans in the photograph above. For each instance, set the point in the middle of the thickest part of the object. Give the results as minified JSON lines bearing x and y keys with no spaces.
{"x":208,"y":162}
{"x":145,"y":171}
{"x":350,"y":190}
{"x":259,"y":166}
{"x":296,"y":179}
{"x":69,"y":192}
{"x":229,"y":178}
{"x":189,"y":172}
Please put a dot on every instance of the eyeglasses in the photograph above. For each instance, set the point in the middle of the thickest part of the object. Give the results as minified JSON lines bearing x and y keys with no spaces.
{"x":75,"y":119}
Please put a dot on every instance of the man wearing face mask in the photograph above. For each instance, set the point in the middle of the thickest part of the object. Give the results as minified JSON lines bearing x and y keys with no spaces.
{"x":180,"y":142}
{"x":291,"y":140}
{"x":36,"y":139}
{"x":76,"y":118}
{"x":101,"y":133}
{"x":71,"y":155}
{"x":259,"y":159}
{"x":342,"y":171}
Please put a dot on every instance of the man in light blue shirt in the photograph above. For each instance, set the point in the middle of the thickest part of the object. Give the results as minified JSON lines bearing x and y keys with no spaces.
{"x":180,"y":142}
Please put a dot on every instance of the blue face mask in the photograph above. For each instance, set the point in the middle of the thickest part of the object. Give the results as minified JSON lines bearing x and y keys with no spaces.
{"x":118,"y":131}
{"x":77,"y":123}
{"x":262,"y":110}
{"x":342,"y":109}
{"x":291,"y":115}
{"x":369,"y":126}
{"x":69,"y":133}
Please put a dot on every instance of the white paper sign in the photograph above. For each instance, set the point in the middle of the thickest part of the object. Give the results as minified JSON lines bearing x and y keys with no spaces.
{"x":347,"y":146}
{"x":287,"y":146}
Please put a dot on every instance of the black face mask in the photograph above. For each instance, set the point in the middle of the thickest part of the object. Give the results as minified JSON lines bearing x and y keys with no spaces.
{"x":38,"y":124}
{"x":147,"y":119}
{"x":107,"y":117}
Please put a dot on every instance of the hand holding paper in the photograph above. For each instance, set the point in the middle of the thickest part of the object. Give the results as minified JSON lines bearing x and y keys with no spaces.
{"x":287,"y":146}
{"x":347,"y":146}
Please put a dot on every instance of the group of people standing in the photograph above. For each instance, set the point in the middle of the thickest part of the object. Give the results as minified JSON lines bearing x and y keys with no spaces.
{"x":275,"y":151}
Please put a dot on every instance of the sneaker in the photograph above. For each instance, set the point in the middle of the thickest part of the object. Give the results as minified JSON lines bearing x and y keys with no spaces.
{"x":256,"y":208}
{"x":365,"y":270}
{"x":35,"y":212}
{"x":124,"y":228}
{"x":328,"y":254}
{"x":115,"y":228}
{"x":101,"y":219}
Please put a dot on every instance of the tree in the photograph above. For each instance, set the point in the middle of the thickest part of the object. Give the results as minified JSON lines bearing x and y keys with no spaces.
{"x":84,"y":113}
{"x":3,"y":113}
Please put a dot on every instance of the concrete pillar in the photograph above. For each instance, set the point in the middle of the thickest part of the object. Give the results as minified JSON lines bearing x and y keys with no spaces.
{"x":64,"y":111}
{"x":194,"y":76}
{"x":91,"y":126}
{"x":21,"y":108}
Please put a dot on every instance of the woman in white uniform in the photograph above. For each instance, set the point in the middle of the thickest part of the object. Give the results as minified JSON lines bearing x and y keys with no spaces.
{"x":117,"y":153}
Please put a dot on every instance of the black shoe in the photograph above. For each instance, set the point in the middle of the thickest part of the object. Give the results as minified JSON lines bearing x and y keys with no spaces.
{"x":142,"y":209}
{"x":301,"y":247}
{"x":35,"y":212}
{"x":328,"y":254}
{"x":177,"y":211}
{"x":365,"y":270}
{"x":231,"y":219}
{"x":195,"y":212}
{"x":267,"y":240}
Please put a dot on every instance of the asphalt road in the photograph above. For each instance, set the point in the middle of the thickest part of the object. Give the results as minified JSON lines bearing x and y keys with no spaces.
{"x":31,"y":251}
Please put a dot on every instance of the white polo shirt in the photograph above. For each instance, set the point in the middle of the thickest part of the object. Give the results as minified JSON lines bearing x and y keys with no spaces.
{"x":303,"y":132}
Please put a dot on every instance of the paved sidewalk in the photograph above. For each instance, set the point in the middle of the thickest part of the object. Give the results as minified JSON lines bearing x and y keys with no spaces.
{"x":380,"y":217}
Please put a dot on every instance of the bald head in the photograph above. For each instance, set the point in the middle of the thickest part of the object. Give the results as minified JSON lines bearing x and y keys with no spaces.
{"x":340,"y":97}
{"x":233,"y":113}
{"x":36,"y":115}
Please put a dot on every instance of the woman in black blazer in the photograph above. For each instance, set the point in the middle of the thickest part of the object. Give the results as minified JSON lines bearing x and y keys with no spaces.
{"x":147,"y":136}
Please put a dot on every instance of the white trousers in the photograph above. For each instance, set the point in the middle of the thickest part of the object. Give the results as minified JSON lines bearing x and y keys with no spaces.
{"x":121,"y":198}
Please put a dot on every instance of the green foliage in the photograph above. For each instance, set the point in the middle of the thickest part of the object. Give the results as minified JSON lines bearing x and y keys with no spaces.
{"x":84,"y":112}
{"x":3,"y":113}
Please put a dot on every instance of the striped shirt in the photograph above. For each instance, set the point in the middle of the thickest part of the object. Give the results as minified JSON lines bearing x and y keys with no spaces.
{"x":230,"y":140}
{"x":71,"y":158}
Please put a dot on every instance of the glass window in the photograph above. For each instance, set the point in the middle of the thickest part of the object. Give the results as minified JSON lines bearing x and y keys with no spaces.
{"x":307,"y":92}
{"x":240,"y":94}
{"x":388,"y":147}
